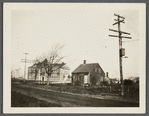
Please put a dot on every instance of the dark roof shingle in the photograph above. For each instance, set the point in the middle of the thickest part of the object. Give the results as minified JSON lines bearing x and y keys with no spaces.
{"x":85,"y":68}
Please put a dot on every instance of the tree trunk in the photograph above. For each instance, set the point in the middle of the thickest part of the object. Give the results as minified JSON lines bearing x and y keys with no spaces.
{"x":110,"y":89}
{"x":36,"y":74}
{"x":48,"y":79}
{"x":35,"y":78}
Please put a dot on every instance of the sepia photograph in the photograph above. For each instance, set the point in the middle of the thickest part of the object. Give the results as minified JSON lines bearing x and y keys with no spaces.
{"x":74,"y":58}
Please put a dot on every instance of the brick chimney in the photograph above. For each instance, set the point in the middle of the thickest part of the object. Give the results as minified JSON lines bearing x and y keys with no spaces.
{"x":106,"y":74}
{"x":84,"y":61}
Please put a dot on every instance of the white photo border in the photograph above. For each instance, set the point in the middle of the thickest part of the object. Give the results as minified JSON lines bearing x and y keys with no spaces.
{"x":7,"y":7}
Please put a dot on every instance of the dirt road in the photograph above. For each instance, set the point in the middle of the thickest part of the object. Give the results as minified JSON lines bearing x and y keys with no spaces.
{"x":67,"y":100}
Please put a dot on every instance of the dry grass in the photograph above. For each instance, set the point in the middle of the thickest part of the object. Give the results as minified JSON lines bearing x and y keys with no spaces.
{"x":20,"y":100}
{"x":92,"y":90}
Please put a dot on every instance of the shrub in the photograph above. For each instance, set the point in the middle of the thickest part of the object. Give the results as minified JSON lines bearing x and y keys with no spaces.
{"x":128,"y":82}
{"x":104,"y":83}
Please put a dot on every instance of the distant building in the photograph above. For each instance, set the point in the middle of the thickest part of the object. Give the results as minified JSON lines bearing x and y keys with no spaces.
{"x":60,"y":74}
{"x":15,"y":73}
{"x":91,"y":73}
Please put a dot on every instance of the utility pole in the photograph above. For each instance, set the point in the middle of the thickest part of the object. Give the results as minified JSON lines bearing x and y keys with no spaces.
{"x":25,"y":61}
{"x":119,"y":20}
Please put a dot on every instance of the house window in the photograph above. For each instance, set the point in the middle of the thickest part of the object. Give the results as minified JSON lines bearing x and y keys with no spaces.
{"x":33,"y":70}
{"x":99,"y":70}
{"x":96,"y":70}
{"x":79,"y":78}
{"x":55,"y":71}
{"x":74,"y":78}
{"x":69,"y":76}
{"x":42,"y":69}
{"x":54,"y":76}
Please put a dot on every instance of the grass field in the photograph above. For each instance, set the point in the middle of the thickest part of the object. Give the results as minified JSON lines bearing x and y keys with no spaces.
{"x":20,"y":100}
{"x":133,"y":94}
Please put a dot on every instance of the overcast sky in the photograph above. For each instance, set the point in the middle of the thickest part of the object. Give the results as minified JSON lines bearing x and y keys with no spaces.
{"x":83,"y":29}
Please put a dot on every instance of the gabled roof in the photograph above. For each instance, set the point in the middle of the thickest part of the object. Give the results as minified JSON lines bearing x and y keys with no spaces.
{"x":65,"y":67}
{"x":85,"y":68}
{"x":33,"y":66}
{"x":58,"y":65}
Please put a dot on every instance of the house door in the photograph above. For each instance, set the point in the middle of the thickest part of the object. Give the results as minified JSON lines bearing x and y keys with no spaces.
{"x":42,"y":78}
{"x":85,"y":79}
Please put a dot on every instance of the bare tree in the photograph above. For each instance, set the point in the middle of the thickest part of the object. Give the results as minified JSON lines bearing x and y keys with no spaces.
{"x":49,"y":60}
{"x":35,"y":71}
